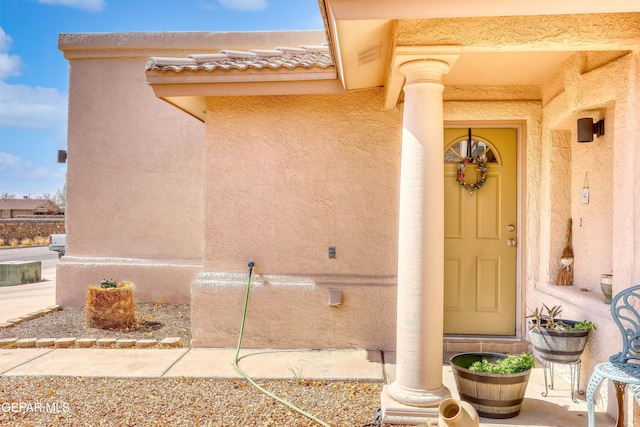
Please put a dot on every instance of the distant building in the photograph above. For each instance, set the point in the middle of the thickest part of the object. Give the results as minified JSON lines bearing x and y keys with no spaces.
{"x":13,"y":208}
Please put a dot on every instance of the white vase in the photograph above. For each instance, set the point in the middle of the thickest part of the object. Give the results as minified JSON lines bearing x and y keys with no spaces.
{"x":457,"y":413}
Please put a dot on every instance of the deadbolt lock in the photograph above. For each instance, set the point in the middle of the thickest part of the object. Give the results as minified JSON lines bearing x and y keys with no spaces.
{"x":511,"y":227}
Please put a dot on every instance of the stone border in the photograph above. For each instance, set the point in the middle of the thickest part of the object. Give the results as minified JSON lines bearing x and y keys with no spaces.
{"x":30,"y":316}
{"x":73,"y":342}
{"x":171,"y":342}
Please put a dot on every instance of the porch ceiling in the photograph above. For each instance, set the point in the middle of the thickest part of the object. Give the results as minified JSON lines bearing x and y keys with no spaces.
{"x":502,"y":43}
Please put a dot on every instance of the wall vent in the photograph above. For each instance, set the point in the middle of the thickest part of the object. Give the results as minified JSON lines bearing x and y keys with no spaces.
{"x":369,"y":54}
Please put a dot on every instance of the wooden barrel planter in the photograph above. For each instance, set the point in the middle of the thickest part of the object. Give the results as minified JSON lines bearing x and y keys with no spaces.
{"x":492,"y":395}
{"x":111,"y":307}
{"x":559,"y":345}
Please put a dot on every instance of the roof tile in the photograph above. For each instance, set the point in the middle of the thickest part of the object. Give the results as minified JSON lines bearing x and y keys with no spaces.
{"x":257,"y":59}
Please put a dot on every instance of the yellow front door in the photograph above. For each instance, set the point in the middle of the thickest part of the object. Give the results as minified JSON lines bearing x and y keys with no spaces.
{"x":480,"y":232}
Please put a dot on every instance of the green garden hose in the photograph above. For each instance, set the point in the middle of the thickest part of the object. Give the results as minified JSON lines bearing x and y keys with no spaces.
{"x":244,"y":374}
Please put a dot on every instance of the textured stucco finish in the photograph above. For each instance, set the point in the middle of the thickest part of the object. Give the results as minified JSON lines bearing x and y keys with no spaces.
{"x":134,"y":176}
{"x":289,"y":176}
{"x":135,"y":170}
{"x":284,"y":183}
{"x":523,"y":33}
{"x":293,"y":311}
{"x":605,"y":233}
{"x":156,"y":280}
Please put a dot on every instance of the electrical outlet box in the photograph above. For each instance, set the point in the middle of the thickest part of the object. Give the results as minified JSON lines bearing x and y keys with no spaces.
{"x":332,"y":252}
{"x":335,"y":298}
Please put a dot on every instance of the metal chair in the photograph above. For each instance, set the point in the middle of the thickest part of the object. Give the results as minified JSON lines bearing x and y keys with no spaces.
{"x":623,"y":368}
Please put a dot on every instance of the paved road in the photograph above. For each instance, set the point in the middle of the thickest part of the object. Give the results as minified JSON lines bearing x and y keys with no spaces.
{"x":19,"y":300}
{"x":34,"y":253}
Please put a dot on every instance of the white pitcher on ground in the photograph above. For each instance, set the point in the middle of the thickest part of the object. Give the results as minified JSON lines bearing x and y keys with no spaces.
{"x":457,"y":413}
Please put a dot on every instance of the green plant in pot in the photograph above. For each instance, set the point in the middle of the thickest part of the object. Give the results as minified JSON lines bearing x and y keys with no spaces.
{"x":493,"y":383}
{"x":555,"y":339}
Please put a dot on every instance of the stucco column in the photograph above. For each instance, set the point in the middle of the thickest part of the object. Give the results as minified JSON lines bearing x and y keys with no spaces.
{"x":421,"y":239}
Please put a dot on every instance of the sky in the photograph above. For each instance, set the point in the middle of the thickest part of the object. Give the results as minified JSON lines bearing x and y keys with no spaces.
{"x":34,"y":73}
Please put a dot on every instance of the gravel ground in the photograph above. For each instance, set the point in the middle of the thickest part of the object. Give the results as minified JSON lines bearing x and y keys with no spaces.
{"x":154,"y":321}
{"x":182,"y":402}
{"x":84,"y":401}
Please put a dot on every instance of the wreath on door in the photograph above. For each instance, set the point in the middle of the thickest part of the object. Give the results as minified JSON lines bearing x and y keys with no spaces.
{"x":482,"y":168}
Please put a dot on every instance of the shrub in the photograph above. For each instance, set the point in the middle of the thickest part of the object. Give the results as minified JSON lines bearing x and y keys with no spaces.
{"x":26,"y":242}
{"x":39,"y":240}
{"x":108,"y":283}
{"x":511,"y":365}
{"x":13,"y":242}
{"x":545,"y":317}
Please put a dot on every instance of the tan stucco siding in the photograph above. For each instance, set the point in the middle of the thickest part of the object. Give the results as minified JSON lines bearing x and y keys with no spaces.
{"x":134,"y":179}
{"x":287,"y":177}
{"x":605,"y":237}
{"x":131,"y":178}
{"x":568,"y":162}
{"x":279,"y":193}
{"x":524,"y":33}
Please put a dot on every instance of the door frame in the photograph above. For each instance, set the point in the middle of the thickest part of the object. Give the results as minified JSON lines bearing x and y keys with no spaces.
{"x":521,"y":250}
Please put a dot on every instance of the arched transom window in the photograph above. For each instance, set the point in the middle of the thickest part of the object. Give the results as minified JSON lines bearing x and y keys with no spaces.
{"x":478,"y":148}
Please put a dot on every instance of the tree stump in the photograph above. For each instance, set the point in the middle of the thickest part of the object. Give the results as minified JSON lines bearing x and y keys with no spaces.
{"x":110,"y":308}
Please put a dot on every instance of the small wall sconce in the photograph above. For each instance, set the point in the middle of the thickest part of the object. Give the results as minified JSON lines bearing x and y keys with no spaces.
{"x":62,"y":156}
{"x":586,"y":129}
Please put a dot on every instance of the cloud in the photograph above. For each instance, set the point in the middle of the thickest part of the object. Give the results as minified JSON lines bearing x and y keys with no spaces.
{"x":24,"y":106}
{"x":30,"y":107}
{"x":245,"y":5}
{"x":13,"y":167}
{"x":90,"y":5}
{"x":10,"y":65}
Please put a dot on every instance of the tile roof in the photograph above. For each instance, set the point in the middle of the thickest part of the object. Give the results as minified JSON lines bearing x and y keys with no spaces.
{"x":256,"y":59}
{"x":22,"y":204}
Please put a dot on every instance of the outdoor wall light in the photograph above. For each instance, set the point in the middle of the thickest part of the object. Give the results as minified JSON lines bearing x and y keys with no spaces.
{"x":586,"y":129}
{"x":62,"y":156}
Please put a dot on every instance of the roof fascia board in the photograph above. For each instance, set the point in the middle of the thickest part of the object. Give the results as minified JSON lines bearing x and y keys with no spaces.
{"x":146,"y":44}
{"x":238,"y":76}
{"x":203,"y":89}
{"x":333,"y":40}
{"x":412,"y":9}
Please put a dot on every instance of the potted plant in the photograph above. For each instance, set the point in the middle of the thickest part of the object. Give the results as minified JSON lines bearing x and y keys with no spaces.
{"x":555,"y":339}
{"x":110,"y":305}
{"x":493,"y":383}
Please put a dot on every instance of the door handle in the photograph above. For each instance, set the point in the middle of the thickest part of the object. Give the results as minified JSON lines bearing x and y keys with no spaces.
{"x":511,"y":242}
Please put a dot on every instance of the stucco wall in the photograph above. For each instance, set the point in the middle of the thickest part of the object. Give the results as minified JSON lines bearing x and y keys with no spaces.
{"x":134,"y":174}
{"x":288,"y":177}
{"x":300,"y":174}
{"x":605,"y":239}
